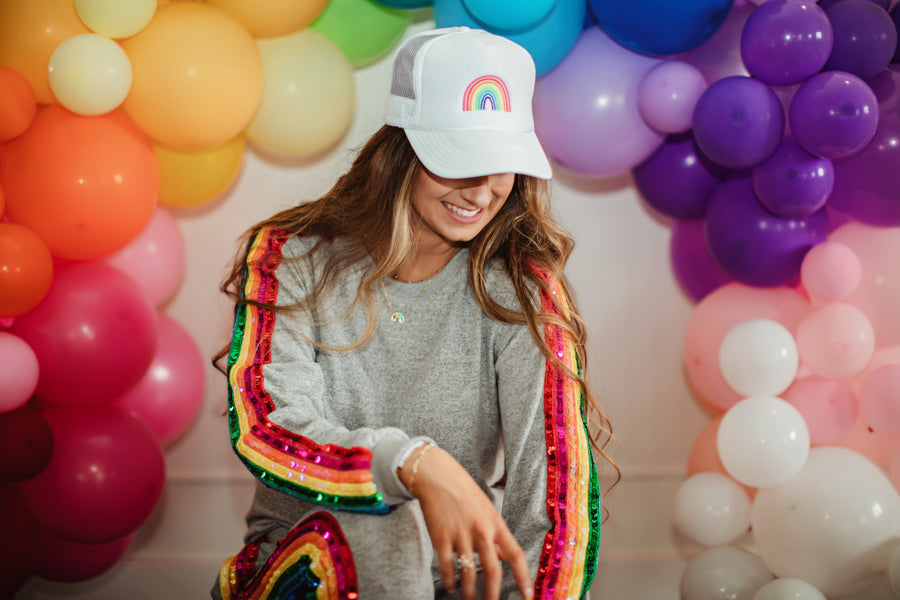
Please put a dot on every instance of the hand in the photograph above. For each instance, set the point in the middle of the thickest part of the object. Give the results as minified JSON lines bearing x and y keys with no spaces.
{"x":462,"y":521}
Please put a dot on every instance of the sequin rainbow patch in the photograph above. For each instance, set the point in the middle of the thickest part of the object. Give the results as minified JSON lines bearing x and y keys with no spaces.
{"x":487,"y":92}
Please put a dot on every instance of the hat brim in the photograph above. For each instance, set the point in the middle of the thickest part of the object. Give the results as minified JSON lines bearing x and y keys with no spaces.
{"x":477,"y":152}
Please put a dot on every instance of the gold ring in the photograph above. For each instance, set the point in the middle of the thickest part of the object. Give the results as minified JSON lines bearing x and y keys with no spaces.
{"x":465,"y":562}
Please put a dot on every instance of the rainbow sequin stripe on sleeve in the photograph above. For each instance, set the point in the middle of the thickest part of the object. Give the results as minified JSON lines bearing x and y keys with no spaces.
{"x":325,"y":474}
{"x":569,"y":555}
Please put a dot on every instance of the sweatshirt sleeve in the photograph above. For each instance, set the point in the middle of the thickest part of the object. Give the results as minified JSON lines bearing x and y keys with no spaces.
{"x":276,"y":402}
{"x":551,"y":501}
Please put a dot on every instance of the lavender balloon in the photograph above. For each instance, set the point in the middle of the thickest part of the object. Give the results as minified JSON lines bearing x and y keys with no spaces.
{"x":834,"y":114}
{"x":865,"y":38}
{"x":738,"y":122}
{"x":585,"y":110}
{"x":695,"y":269}
{"x":786,"y":41}
{"x":668,"y":94}
{"x":793,"y":182}
{"x":753,"y":245}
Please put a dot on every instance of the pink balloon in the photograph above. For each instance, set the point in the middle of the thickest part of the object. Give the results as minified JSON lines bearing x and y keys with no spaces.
{"x":704,"y":455}
{"x":830,"y":271}
{"x":714,"y":317}
{"x":828,"y":406}
{"x":835,"y":340}
{"x":59,"y":559}
{"x":668,"y":94}
{"x":18,"y":371}
{"x":877,"y":447}
{"x":155,"y":258}
{"x":104,"y":479}
{"x":94,"y":335}
{"x":169,"y":396}
{"x":879,"y":399}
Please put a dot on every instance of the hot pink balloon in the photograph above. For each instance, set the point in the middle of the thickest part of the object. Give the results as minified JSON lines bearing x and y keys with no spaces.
{"x":830,"y":271}
{"x":59,"y":559}
{"x":879,"y":399}
{"x":828,"y":406}
{"x":169,"y":396}
{"x":18,"y":371}
{"x":835,"y":340}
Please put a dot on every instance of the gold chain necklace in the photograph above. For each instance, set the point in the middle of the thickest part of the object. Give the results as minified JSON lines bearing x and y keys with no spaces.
{"x":399,"y":317}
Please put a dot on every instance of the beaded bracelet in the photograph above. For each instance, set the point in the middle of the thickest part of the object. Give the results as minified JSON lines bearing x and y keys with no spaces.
{"x":415,"y":466}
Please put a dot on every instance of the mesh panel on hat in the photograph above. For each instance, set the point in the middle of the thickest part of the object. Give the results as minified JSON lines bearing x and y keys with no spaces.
{"x":402,"y":77}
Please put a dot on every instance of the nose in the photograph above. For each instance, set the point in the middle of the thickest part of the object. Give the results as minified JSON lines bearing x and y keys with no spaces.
{"x":477,"y":191}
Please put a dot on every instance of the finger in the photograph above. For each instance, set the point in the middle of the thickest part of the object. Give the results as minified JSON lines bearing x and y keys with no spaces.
{"x":468,"y":575}
{"x":447,"y":567}
{"x":491,"y":570}
{"x":513,"y":554}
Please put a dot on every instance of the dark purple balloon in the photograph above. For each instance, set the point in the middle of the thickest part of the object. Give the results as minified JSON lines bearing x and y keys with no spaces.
{"x":678,"y":180}
{"x":695,"y":269}
{"x":793,"y":182}
{"x":834,"y":114}
{"x":738,"y":122}
{"x":865,"y":38}
{"x":753,"y":245}
{"x":826,"y":4}
{"x":895,"y":18}
{"x":786,"y":41}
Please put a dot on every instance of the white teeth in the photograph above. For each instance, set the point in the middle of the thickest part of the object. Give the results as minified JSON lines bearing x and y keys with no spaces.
{"x":461,"y":211}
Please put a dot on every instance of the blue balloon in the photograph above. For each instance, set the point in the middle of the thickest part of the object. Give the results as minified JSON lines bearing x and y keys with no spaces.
{"x":660,"y":27}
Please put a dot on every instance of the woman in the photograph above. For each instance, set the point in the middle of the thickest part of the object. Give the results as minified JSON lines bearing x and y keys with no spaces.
{"x":405,"y":371}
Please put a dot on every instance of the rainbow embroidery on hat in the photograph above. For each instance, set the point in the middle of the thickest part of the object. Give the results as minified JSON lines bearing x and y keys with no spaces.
{"x":487,"y":92}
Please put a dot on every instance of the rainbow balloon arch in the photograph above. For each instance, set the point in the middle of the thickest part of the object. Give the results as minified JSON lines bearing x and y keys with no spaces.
{"x":766,"y":132}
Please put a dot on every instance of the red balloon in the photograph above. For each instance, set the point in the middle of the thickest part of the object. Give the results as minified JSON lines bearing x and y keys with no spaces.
{"x":26,"y":444}
{"x":105,"y":477}
{"x":26,"y":270}
{"x":17,"y":552}
{"x":59,"y":559}
{"x":94,"y":335}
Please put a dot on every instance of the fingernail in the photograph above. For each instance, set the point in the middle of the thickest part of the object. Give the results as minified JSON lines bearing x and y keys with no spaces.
{"x":529,"y":594}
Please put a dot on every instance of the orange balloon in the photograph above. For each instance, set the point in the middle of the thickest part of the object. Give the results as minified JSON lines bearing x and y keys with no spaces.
{"x":197,"y":77}
{"x":272,"y":18}
{"x":17,"y":103}
{"x":26,"y":270}
{"x":30,"y":32}
{"x":86,"y":185}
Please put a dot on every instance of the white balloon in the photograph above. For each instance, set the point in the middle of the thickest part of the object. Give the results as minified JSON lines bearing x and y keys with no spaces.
{"x":711,"y":509}
{"x":89,"y":74}
{"x":788,"y":588}
{"x":831,"y":525}
{"x":758,"y":357}
{"x":762,"y":441}
{"x":723,"y":573}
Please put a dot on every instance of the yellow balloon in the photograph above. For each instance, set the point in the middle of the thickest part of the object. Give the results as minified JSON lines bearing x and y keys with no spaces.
{"x":308,"y":97}
{"x":272,"y":18}
{"x":30,"y":31}
{"x":115,"y":18}
{"x":198,"y":77}
{"x":89,"y":74}
{"x":194,"y":177}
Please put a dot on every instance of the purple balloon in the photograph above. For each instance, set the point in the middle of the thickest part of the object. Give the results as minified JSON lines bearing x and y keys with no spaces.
{"x":585,"y":110}
{"x":895,"y":19}
{"x":834,"y":114}
{"x":793,"y":182}
{"x":826,"y":4}
{"x":668,"y":95}
{"x":695,"y":269}
{"x":678,"y":179}
{"x":865,"y":38}
{"x":753,"y":245}
{"x":786,"y":41}
{"x":867,"y":184}
{"x":738,"y":122}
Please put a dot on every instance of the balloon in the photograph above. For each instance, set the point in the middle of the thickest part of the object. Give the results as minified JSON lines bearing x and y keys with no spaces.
{"x":830,"y":271}
{"x":786,"y":41}
{"x":17,"y":553}
{"x":762,"y":441}
{"x":59,"y":559}
{"x":271,"y":18}
{"x":826,"y":4}
{"x":18,"y":371}
{"x":678,"y":179}
{"x":865,"y":38}
{"x":657,"y":27}
{"x":711,"y":320}
{"x":879,"y":399}
{"x":876,"y":447}
{"x":26,"y":270}
{"x":406,"y":4}
{"x":720,"y":55}
{"x":738,"y":122}
{"x":575,"y":117}
{"x":828,"y":406}
{"x":668,"y":94}
{"x":30,"y":32}
{"x":711,"y":509}
{"x":114,"y":18}
{"x":89,"y":74}
{"x":94,"y":335}
{"x":17,"y":103}
{"x":509,"y":15}
{"x":788,"y":587}
{"x":308,"y":98}
{"x":26,"y":444}
{"x":792,"y":182}
{"x":835,"y":340}
{"x":193,"y":177}
{"x":186,"y":61}
{"x":86,"y":185}
{"x":169,"y":396}
{"x":723,"y":572}
{"x":363,"y":29}
{"x":695,"y":269}
{"x":758,"y":357}
{"x":155,"y":258}
{"x":834,"y":114}
{"x":105,"y":477}
{"x":826,"y":525}
{"x":753,"y":245}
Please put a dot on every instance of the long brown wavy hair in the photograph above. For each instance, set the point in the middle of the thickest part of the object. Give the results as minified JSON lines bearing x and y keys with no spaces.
{"x":370,"y":209}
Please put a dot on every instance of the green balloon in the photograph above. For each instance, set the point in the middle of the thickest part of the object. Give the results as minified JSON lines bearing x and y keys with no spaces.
{"x":363,"y":29}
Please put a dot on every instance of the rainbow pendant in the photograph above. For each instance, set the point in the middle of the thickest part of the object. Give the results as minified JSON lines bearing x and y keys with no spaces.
{"x":397,"y":317}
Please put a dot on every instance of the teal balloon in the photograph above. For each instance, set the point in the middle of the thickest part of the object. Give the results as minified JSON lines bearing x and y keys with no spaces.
{"x":509,"y":15}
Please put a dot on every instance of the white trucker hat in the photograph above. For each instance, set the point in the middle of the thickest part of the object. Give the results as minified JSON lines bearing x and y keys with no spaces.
{"x":463,"y":96}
